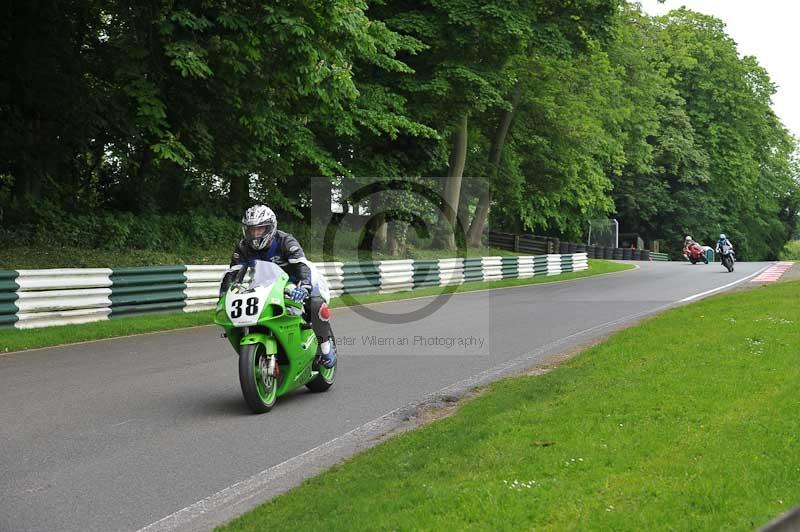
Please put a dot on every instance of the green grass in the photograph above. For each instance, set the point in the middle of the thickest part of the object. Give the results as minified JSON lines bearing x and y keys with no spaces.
{"x":686,"y":422}
{"x":791,"y":251}
{"x":20,"y":339}
{"x":25,"y":257}
{"x":17,"y":340}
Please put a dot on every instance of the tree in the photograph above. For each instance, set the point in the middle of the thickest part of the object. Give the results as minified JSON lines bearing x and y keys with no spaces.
{"x":164,"y":103}
{"x":557,"y":29}
{"x":461,"y":72}
{"x":727,"y":100}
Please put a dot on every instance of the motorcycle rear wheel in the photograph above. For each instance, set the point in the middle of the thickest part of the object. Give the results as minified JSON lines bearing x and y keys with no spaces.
{"x":259,"y":389}
{"x":323,"y":380}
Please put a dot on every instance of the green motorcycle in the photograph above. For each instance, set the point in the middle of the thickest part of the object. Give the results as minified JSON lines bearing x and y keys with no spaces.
{"x":277,"y":348}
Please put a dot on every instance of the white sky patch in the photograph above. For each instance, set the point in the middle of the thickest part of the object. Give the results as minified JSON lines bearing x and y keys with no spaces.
{"x":766,"y":29}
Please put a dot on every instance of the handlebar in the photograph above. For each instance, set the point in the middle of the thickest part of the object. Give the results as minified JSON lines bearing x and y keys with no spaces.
{"x":240,"y":275}
{"x":287,"y":299}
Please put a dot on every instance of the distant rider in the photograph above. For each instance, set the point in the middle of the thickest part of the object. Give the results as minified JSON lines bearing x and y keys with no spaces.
{"x":723,"y":241}
{"x":688,"y":242}
{"x":263,"y":241}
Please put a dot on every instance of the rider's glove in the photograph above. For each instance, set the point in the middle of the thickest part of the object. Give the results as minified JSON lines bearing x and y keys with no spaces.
{"x":300,"y":293}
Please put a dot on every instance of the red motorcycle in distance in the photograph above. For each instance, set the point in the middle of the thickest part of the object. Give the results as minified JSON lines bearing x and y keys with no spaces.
{"x":695,"y":253}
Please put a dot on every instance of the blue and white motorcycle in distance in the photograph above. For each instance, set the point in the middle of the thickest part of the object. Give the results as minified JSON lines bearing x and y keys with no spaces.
{"x":727,"y":256}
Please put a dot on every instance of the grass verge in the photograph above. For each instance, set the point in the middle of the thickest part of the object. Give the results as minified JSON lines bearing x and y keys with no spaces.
{"x":17,"y":340}
{"x":654,"y":429}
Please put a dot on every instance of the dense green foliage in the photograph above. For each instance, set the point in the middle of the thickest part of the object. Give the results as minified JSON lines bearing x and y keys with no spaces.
{"x":142,"y":124}
{"x":791,"y":251}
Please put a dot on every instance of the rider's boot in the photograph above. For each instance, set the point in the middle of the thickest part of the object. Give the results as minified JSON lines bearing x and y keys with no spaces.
{"x":328,"y":358}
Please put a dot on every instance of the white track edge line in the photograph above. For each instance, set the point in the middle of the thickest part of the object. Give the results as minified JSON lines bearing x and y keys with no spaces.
{"x":707,"y":292}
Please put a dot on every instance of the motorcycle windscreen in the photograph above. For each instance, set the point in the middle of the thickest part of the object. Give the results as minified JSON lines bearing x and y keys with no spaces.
{"x":264,"y":273}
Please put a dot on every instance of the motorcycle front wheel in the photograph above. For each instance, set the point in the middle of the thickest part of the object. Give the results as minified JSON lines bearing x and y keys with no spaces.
{"x":259,"y":388}
{"x":727,"y":263}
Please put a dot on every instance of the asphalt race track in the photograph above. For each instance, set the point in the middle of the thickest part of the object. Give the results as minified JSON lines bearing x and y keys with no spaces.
{"x":120,"y":434}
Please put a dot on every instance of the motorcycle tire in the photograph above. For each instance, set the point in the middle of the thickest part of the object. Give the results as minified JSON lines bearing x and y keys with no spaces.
{"x":727,"y":263}
{"x":693,"y":261}
{"x":260,"y":393}
{"x":323,"y":380}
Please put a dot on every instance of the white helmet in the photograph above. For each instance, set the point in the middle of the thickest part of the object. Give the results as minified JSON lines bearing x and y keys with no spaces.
{"x":722,"y":236}
{"x":689,"y":239}
{"x":259,"y":225}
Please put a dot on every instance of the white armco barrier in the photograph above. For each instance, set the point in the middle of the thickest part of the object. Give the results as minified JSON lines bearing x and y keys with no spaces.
{"x":553,"y":264}
{"x":40,"y":298}
{"x":59,"y":300}
{"x":63,"y":278}
{"x":396,"y":275}
{"x":202,"y":286}
{"x":62,"y":296}
{"x":65,"y":317}
{"x":451,"y":271}
{"x":580,"y":262}
{"x":334,"y":274}
{"x":525,"y":267}
{"x":492,"y":268}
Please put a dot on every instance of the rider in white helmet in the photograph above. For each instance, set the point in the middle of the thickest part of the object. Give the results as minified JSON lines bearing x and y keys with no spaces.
{"x":687,"y":242}
{"x":723,"y":241}
{"x":263,"y":241}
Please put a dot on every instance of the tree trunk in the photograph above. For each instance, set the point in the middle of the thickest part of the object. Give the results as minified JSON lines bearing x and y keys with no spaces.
{"x":463,"y":211}
{"x":381,"y":225}
{"x":452,"y":189}
{"x":495,"y":156}
{"x":239,"y":194}
{"x":393,"y":243}
{"x":479,"y":220}
{"x":320,"y":200}
{"x":381,"y":236}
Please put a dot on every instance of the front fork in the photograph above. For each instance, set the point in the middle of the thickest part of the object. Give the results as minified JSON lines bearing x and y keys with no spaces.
{"x":273,"y":369}
{"x":270,"y":348}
